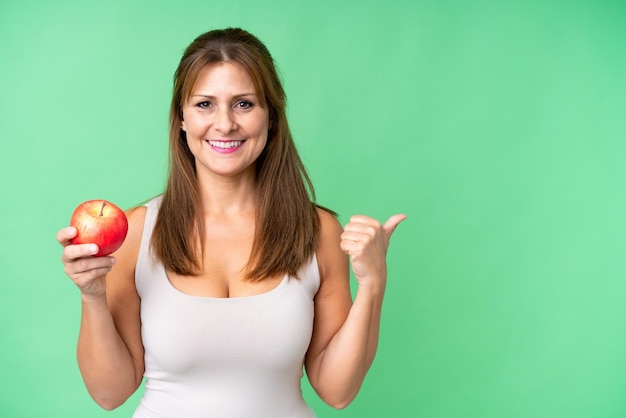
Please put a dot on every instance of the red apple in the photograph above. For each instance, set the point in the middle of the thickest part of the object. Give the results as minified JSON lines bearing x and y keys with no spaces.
{"x":100,"y":222}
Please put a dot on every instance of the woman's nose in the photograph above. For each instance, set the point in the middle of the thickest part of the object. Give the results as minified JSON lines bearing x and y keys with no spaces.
{"x":224,"y":121}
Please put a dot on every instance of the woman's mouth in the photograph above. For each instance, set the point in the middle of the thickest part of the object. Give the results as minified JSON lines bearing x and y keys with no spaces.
{"x":225,"y":147}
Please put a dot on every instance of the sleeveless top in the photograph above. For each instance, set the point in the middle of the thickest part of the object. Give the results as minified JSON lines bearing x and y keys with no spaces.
{"x":222,"y":357}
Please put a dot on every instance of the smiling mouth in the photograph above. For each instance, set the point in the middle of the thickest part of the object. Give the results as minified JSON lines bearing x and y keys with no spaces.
{"x":225,"y":144}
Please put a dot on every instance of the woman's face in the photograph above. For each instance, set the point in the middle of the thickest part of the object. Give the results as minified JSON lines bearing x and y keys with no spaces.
{"x":225,"y":124}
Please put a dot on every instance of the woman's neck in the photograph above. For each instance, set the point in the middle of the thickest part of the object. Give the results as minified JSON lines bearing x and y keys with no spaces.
{"x":228,"y":195}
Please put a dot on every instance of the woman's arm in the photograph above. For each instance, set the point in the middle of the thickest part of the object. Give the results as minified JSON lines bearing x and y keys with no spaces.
{"x":109,"y":351}
{"x":345,"y":335}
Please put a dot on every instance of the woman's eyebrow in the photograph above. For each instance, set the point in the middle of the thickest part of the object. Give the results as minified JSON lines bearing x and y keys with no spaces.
{"x":209,"y":96}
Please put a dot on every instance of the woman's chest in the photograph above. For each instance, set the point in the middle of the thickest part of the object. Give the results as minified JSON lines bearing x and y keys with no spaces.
{"x":225,"y":258}
{"x":184,"y":334}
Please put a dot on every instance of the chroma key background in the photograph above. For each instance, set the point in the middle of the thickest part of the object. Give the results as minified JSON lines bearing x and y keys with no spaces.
{"x":499,"y":128}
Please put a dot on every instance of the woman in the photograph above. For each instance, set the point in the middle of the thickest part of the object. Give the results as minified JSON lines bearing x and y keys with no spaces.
{"x":232,"y":280}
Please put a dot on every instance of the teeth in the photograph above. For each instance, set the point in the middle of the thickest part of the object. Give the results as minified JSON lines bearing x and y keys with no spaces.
{"x":225,"y":144}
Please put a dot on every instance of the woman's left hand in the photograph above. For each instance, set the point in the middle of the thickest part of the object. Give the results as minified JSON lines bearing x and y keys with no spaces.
{"x":366,"y":241}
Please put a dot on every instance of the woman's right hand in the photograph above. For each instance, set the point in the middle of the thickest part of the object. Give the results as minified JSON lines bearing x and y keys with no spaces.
{"x":87,"y":272}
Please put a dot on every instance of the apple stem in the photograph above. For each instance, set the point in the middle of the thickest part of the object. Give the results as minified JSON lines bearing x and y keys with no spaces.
{"x":102,"y":209}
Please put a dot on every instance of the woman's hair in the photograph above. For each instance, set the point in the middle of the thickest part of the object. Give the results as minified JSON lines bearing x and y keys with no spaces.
{"x":287,"y":223}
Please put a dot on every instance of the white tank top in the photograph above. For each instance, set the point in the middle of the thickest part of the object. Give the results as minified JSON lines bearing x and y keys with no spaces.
{"x":222,"y":357}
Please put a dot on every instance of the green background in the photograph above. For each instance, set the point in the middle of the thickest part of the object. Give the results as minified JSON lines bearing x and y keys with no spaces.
{"x":498,"y":127}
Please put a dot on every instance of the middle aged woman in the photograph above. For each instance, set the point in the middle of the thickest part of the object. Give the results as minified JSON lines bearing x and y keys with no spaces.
{"x":232,"y":279}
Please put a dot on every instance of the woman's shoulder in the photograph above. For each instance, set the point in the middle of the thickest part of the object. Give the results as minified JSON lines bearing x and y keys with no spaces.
{"x":137,"y":214}
{"x":136,"y":217}
{"x":328,"y":220}
{"x":330,"y":257}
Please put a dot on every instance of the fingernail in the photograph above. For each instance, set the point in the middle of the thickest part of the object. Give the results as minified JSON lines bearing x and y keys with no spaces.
{"x":93,"y":249}
{"x":113,"y":261}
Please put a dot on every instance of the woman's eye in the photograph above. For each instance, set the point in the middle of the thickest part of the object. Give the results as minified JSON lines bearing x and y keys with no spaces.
{"x":203,"y":105}
{"x":244,"y":104}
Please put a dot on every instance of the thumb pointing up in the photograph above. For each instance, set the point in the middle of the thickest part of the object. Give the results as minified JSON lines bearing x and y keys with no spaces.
{"x":392,"y":223}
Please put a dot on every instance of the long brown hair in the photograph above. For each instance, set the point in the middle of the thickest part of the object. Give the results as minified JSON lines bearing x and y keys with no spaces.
{"x":287,"y":223}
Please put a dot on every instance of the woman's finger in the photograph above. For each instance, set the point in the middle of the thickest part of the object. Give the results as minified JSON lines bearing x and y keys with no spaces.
{"x":74,"y":252}
{"x":65,"y":235}
{"x":84,"y":278}
{"x":392,"y":223}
